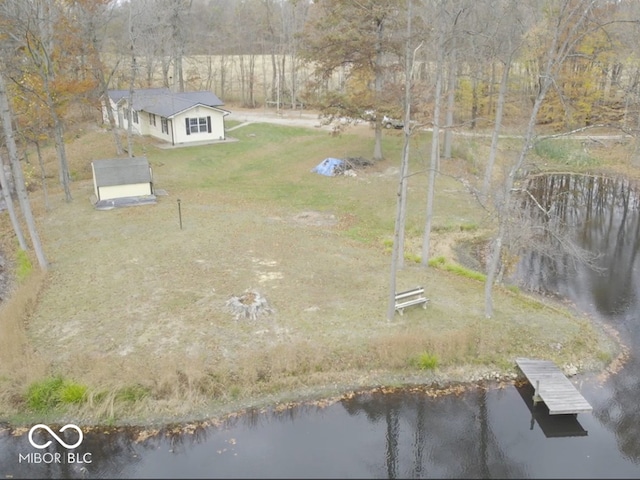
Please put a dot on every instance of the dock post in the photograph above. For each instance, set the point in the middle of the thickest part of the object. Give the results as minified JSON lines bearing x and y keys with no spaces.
{"x":536,"y":396}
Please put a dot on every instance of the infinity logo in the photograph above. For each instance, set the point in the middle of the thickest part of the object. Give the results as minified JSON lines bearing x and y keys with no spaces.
{"x":58,"y":439}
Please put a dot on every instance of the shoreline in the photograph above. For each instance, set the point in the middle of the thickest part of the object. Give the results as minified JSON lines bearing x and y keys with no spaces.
{"x":453,"y":380}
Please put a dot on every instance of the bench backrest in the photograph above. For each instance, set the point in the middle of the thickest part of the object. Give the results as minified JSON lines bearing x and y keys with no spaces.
{"x":410,"y":293}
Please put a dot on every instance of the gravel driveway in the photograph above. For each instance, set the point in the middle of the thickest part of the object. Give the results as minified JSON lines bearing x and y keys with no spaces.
{"x":294,"y":118}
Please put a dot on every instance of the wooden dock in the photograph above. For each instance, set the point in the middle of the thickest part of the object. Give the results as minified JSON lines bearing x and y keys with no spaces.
{"x":553,"y":388}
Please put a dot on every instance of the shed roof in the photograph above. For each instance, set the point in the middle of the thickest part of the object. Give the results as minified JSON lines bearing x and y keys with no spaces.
{"x":121,"y":171}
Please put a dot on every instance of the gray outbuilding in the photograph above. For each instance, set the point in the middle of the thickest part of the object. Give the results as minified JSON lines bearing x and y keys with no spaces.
{"x":122,"y":181}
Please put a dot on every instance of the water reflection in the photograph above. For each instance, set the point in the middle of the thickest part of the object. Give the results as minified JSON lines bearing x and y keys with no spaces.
{"x":600,"y":216}
{"x":477,"y":433}
{"x":446,"y":436}
{"x":553,"y":426}
{"x":603,"y":215}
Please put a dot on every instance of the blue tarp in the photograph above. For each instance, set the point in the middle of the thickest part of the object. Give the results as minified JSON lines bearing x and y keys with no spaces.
{"x":327,"y":166}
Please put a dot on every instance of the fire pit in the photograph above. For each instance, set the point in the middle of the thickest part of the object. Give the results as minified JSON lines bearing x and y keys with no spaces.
{"x":251,"y":304}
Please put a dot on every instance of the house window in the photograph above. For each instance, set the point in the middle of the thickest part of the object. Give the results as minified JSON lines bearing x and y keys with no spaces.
{"x":152,"y":119}
{"x":198,"y":125}
{"x":164,"y":125}
{"x":135,"y":116}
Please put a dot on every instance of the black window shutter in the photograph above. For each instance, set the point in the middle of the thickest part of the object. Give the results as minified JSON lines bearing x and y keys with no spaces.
{"x":186,"y":120}
{"x":209,"y":124}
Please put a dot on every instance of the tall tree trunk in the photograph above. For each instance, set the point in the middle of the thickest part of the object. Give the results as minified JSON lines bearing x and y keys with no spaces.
{"x":130,"y":109}
{"x":209,"y":83}
{"x":166,"y":65}
{"x":282,"y":82}
{"x":18,"y":177}
{"x":377,"y":147}
{"x":8,"y":200}
{"x":65,"y":177}
{"x":474,"y":99}
{"x":243,"y":91}
{"x":47,"y":68}
{"x":397,"y":255}
{"x":252,"y":65}
{"x":132,"y":80}
{"x":43,"y":176}
{"x":58,"y":136}
{"x":294,"y":92}
{"x":223,"y":76}
{"x":492,"y":81}
{"x":496,"y":128}
{"x":4,"y":183}
{"x":98,"y":68}
{"x":113,"y":128}
{"x":177,"y":41}
{"x":274,"y":78}
{"x":451,"y":89}
{"x":435,"y":140}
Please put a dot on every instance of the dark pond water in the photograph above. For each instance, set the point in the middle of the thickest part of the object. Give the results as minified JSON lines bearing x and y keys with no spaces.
{"x":487,"y":431}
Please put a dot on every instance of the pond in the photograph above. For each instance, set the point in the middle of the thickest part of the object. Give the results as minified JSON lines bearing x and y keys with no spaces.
{"x":484,"y":431}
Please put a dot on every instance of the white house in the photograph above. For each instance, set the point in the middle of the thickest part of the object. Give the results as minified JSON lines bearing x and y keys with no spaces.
{"x":177,"y":118}
{"x":122,"y":181}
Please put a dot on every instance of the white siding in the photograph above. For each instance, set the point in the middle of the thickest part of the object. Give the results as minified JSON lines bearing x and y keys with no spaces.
{"x":217,"y":125}
{"x":137,"y":128}
{"x":177,"y":131}
{"x":119,"y":191}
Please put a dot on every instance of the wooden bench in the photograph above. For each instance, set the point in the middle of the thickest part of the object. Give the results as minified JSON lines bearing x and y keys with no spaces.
{"x":415,"y":296}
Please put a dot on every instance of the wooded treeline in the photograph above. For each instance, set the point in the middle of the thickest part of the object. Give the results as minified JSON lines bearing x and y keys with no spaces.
{"x":349,"y":55}
{"x":345,"y":55}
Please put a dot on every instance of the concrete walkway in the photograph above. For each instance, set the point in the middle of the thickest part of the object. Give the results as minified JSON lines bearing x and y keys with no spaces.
{"x":243,"y":124}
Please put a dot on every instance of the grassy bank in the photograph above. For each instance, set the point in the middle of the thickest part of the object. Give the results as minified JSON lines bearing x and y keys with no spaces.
{"x":130,"y":324}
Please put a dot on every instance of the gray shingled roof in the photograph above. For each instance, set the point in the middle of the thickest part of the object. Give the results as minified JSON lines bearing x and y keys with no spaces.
{"x":161,"y":101}
{"x":121,"y":171}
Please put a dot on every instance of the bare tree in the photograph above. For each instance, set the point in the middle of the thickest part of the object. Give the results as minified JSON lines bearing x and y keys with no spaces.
{"x":508,"y":40}
{"x":179,"y":9}
{"x":93,"y":17}
{"x":8,"y":201}
{"x":32,"y":28}
{"x":435,"y":140}
{"x":21,"y":189}
{"x":458,"y":9}
{"x":567,"y":27}
{"x":132,"y":82}
{"x":397,"y":255}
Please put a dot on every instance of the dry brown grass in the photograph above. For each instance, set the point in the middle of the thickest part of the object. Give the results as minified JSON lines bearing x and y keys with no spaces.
{"x":20,"y":364}
{"x":133,"y":302}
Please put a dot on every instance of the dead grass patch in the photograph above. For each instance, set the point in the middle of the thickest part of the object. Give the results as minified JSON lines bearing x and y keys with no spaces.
{"x":21,"y":365}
